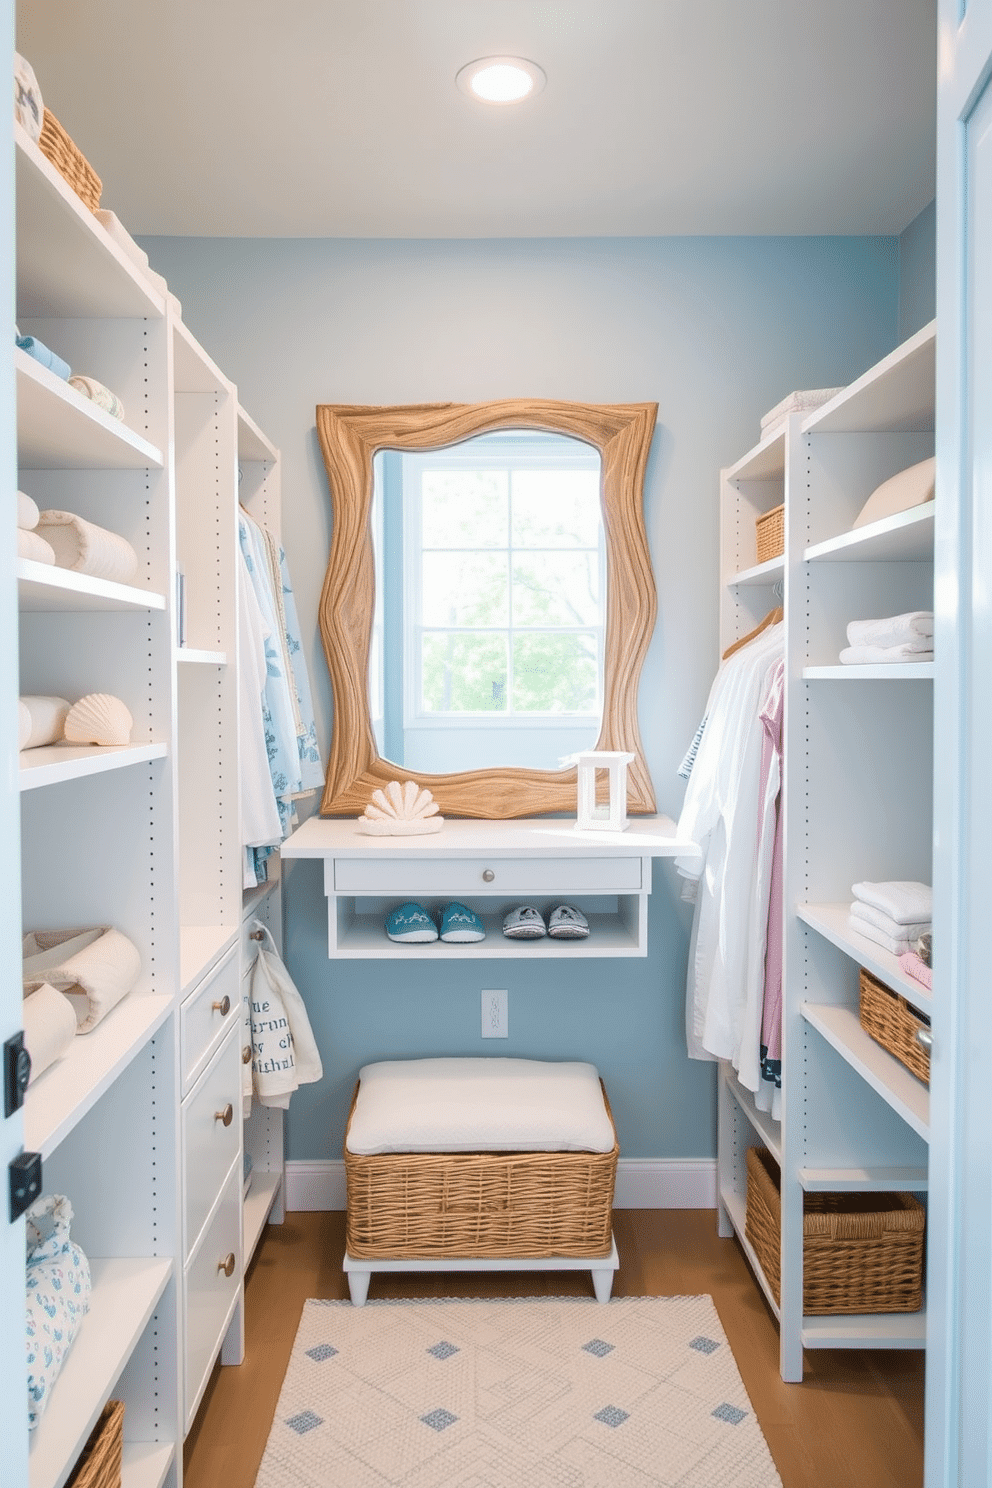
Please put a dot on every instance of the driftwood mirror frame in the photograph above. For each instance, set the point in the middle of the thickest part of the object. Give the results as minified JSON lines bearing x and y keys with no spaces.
{"x":349,"y":438}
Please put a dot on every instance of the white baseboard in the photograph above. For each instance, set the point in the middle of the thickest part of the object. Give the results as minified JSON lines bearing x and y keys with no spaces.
{"x":642,"y":1183}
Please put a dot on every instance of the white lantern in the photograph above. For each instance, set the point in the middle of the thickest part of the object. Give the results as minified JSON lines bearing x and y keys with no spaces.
{"x":612,"y":816}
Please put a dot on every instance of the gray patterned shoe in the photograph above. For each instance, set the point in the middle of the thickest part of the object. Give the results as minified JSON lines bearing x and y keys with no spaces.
{"x":568,"y":923}
{"x":524,"y":923}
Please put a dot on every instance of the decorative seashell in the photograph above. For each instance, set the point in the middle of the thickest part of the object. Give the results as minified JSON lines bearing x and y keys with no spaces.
{"x":400,"y":810}
{"x":98,"y":718}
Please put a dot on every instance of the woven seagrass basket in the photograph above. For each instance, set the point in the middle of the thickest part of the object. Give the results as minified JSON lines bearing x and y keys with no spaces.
{"x":769,"y":531}
{"x":100,"y":1463}
{"x":70,"y":161}
{"x":893,"y":1023}
{"x":431,"y":1205}
{"x":862,"y":1252}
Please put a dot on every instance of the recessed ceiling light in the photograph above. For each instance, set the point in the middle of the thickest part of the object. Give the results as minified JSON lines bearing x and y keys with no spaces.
{"x":501,"y":79}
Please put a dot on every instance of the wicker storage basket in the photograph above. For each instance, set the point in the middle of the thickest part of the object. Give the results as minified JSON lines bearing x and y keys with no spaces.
{"x":430,"y":1205}
{"x":100,"y":1463}
{"x":70,"y":161}
{"x":769,"y":532}
{"x":862,"y":1252}
{"x":893,"y":1023}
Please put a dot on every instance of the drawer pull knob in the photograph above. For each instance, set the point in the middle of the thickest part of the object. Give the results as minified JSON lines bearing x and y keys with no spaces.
{"x":488,"y":875}
{"x":227,"y":1265}
{"x":223,"y":1007}
{"x":925,"y":1038}
{"x":226,"y":1116}
{"x":246,"y":1054}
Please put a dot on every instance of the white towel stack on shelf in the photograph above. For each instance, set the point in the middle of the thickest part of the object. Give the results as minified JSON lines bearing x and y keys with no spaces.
{"x":30,"y":544}
{"x":893,"y":914}
{"x":898,"y":638}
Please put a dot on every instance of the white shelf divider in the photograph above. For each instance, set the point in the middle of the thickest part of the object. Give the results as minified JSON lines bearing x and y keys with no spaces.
{"x":863,"y":1180}
{"x":899,"y":671}
{"x":841,"y":1028}
{"x":736,"y":1208}
{"x":192,"y":656}
{"x":769,"y":1130}
{"x":831,"y":921}
{"x":146,"y":1464}
{"x":895,"y":395}
{"x":42,"y":588}
{"x":258,"y":1204}
{"x":60,"y":429}
{"x":876,"y":1330}
{"x":54,"y":763}
{"x":770,"y":572}
{"x":906,"y":537}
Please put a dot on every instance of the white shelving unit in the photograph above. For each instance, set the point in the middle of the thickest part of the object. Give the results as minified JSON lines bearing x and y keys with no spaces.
{"x":857,"y":804}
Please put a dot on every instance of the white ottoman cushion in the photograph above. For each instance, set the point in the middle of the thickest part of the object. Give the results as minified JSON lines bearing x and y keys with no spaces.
{"x":479,"y":1105}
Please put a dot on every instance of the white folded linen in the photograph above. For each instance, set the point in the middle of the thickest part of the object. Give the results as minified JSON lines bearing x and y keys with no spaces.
{"x":30,"y":545}
{"x":49,"y":1027}
{"x":897,"y":944}
{"x":94,"y":967}
{"x":27,"y":512}
{"x":47,"y":717}
{"x":88,"y":549}
{"x":893,"y":631}
{"x":882,"y":921}
{"x":903,"y":900}
{"x":921,"y":650}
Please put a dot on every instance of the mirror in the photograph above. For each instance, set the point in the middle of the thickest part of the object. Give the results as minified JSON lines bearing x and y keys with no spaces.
{"x":528,"y":605}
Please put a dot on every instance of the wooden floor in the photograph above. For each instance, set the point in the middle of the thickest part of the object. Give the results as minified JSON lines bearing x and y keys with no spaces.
{"x":857,"y":1418}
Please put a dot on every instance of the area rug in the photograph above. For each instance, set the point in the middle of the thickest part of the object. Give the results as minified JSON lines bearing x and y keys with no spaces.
{"x":546,"y":1393}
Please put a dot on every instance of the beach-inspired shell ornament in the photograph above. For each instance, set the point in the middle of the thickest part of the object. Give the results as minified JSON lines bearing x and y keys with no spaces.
{"x":98,"y":718}
{"x":400,"y":811}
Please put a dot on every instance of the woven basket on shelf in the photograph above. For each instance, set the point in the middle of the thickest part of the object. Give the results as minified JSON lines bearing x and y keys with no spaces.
{"x":70,"y":161}
{"x":893,"y":1023}
{"x":431,"y":1205}
{"x":769,"y":530}
{"x":100,"y":1463}
{"x":862,"y":1252}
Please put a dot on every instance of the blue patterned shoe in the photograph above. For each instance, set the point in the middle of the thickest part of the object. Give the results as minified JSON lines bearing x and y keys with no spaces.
{"x":459,"y":923}
{"x":410,"y":923}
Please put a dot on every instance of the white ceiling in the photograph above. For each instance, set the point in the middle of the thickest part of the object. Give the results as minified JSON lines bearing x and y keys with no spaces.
{"x":340,"y":118}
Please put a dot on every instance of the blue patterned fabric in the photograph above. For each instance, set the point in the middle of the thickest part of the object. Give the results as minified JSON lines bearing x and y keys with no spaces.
{"x":58,"y":1297}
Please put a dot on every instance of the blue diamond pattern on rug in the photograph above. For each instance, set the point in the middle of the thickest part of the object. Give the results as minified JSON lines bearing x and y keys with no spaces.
{"x":704,"y":1345}
{"x":729,"y":1413}
{"x":321,"y":1352}
{"x":438,"y":1420}
{"x":598,"y":1347}
{"x":443,"y":1350}
{"x":304,"y":1422}
{"x":611,"y":1415}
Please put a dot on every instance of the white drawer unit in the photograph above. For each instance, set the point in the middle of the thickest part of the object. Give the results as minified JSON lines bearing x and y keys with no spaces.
{"x":207,"y":1015}
{"x":211,"y":1134}
{"x":213,"y":1289}
{"x":470,"y":877}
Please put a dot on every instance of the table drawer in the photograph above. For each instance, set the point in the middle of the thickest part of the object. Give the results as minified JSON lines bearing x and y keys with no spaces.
{"x":207,"y":1015}
{"x":210,"y":1291}
{"x":211,"y":1134}
{"x":469,"y":877}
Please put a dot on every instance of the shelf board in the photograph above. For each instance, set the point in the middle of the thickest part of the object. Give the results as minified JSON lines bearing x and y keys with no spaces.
{"x":907,"y":1095}
{"x":863,"y":1180}
{"x":200,"y":946}
{"x":768,"y":1130}
{"x":906,"y":537}
{"x":258,"y":1206}
{"x":365,"y":937}
{"x":252,"y":443}
{"x":54,"y":763}
{"x":124,"y":1296}
{"x":898,"y":671}
{"x":146,"y":1464}
{"x":60,"y":429}
{"x":770,"y":572}
{"x":194,"y":656}
{"x":63,"y":1094}
{"x":894,"y":396}
{"x":736,"y":1207}
{"x":68,"y":266}
{"x":831,"y":921}
{"x":765,"y":461}
{"x":876,"y":1330}
{"x":44,"y":589}
{"x":195,"y":371}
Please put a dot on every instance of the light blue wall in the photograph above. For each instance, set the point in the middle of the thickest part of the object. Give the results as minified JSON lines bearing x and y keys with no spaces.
{"x":716,"y":331}
{"x":918,"y":272}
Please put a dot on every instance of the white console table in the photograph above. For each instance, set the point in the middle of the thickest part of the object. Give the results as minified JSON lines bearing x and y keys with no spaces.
{"x":491,"y":867}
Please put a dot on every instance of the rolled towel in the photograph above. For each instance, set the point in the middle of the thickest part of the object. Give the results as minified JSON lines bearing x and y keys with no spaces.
{"x":23,"y":724}
{"x":915,"y":967}
{"x":882,"y":921}
{"x":45,"y":355}
{"x":896,"y":944}
{"x":49,"y":1027}
{"x":894,"y":631}
{"x":27,"y":512}
{"x":98,"y":394}
{"x":920,"y":651}
{"x":30,"y":545}
{"x":48,"y":716}
{"x":94,"y":968}
{"x":903,"y":900}
{"x":86,"y":548}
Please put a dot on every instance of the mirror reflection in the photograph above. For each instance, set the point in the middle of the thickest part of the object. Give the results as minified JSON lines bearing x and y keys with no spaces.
{"x":490,"y":580}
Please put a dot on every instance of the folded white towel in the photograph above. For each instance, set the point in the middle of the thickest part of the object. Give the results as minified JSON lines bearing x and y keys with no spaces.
{"x":885,"y":923}
{"x":894,"y":631}
{"x":920,"y":650}
{"x":897,"y":944}
{"x":47,"y":717}
{"x":49,"y":1027}
{"x":88,"y":549}
{"x":27,"y":512}
{"x":903,"y":900}
{"x":93,"y":967}
{"x":30,"y":545}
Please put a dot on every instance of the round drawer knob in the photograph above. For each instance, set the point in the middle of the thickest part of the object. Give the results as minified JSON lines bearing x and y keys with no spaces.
{"x":223,"y":1007}
{"x":246,"y":1054}
{"x":488,"y":875}
{"x":227,"y":1265}
{"x":226,"y":1116}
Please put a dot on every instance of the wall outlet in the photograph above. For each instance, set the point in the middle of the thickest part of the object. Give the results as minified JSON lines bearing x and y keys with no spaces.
{"x":494,"y":1022}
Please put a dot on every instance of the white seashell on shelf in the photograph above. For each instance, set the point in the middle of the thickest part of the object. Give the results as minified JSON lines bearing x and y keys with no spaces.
{"x":98,"y":718}
{"x":400,"y":811}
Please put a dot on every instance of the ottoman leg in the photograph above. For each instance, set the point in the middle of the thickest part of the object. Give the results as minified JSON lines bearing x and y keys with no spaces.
{"x":603,"y":1283}
{"x":358,"y":1286}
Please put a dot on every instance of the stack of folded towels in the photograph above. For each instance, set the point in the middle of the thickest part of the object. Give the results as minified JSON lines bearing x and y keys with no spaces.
{"x":898,"y":638}
{"x":893,"y":914}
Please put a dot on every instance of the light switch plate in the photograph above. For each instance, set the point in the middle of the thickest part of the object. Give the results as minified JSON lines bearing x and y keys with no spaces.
{"x":494,"y":1014}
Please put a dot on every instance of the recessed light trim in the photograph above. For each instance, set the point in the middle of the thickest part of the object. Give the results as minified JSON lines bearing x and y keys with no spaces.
{"x":501,"y":80}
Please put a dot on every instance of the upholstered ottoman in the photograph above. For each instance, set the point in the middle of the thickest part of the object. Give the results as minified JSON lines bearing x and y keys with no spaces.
{"x":479,"y":1165}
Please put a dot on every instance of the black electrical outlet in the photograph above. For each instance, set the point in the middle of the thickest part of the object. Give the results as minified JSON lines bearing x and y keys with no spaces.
{"x":16,"y":1073}
{"x":25,"y":1182}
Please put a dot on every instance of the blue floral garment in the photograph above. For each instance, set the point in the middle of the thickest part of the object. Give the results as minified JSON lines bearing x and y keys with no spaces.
{"x":58,"y":1296}
{"x":311,"y":769}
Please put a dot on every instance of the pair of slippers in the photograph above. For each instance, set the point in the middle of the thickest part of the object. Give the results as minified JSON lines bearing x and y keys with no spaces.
{"x":564,"y":923}
{"x":412,"y":924}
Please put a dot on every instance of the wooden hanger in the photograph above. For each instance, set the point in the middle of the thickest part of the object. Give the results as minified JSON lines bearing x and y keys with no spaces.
{"x":772,"y":618}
